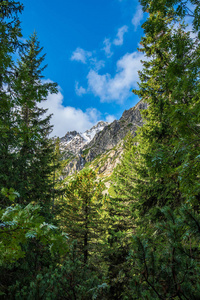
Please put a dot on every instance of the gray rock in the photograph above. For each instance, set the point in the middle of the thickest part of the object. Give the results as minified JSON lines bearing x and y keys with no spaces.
{"x":106,"y":143}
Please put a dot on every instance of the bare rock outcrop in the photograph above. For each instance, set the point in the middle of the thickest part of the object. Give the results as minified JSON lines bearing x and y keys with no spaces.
{"x":102,"y":145}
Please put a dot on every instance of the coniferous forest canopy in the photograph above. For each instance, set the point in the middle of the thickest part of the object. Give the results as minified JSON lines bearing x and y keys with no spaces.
{"x":66,"y":239}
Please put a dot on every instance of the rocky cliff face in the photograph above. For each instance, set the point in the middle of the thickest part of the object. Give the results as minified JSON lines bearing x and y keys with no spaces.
{"x":73,"y":142}
{"x":101,"y":147}
{"x":113,"y":133}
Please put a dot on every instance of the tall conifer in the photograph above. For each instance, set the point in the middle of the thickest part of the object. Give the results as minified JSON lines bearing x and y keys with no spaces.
{"x":82,"y":212}
{"x":161,"y":167}
{"x":10,"y":32}
{"x":167,"y":144}
{"x":35,"y":152}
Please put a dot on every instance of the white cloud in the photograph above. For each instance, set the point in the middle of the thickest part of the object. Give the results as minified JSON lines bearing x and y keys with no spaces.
{"x":107,"y":47}
{"x":120,"y":36}
{"x":117,"y":41}
{"x":97,"y":64}
{"x":80,"y":91}
{"x":137,"y":18}
{"x":68,"y":118}
{"x":81,"y":55}
{"x":119,"y":87}
{"x":110,"y":118}
{"x":93,"y":114}
{"x":84,"y":56}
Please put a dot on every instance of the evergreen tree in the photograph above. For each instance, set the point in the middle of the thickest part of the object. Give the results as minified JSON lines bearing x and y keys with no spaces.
{"x":165,"y":258}
{"x":169,"y":83}
{"x":120,"y":225}
{"x":35,"y":152}
{"x":161,"y":167}
{"x":28,"y":245}
{"x":10,"y":32}
{"x":58,"y":176}
{"x":166,"y":146}
{"x":81,"y":212}
{"x":27,"y":160}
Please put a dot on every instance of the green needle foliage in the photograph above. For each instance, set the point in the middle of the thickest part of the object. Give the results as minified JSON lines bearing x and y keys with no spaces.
{"x":142,"y":243}
{"x":120,"y":226}
{"x":10,"y":32}
{"x":82,"y":211}
{"x":165,"y":259}
{"x":27,"y":160}
{"x":71,"y":280}
{"x":160,"y":167}
{"x":169,"y":140}
{"x":34,"y":165}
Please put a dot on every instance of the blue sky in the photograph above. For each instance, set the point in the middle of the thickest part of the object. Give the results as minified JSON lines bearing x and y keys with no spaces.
{"x":91,"y":52}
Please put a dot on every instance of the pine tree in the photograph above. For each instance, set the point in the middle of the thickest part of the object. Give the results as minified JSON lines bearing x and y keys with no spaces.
{"x":166,"y":146}
{"x":27,"y":160}
{"x":35,"y":152}
{"x":169,"y":83}
{"x":165,"y":258}
{"x":161,"y":167}
{"x":58,"y":176}
{"x":10,"y":32}
{"x":120,"y":225}
{"x":81,"y":212}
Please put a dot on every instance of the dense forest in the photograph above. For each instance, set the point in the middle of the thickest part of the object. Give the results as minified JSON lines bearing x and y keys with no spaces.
{"x":66,"y":239}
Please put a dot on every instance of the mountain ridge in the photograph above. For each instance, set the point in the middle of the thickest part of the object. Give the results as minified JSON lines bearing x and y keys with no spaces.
{"x":101,"y":147}
{"x":74,"y":141}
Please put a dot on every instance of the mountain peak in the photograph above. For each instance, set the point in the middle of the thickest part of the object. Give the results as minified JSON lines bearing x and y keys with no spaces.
{"x":89,"y":134}
{"x":73,"y":142}
{"x":102,"y":144}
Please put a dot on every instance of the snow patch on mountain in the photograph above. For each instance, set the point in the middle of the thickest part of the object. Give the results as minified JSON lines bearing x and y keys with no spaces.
{"x":74,"y":141}
{"x":88,"y":135}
